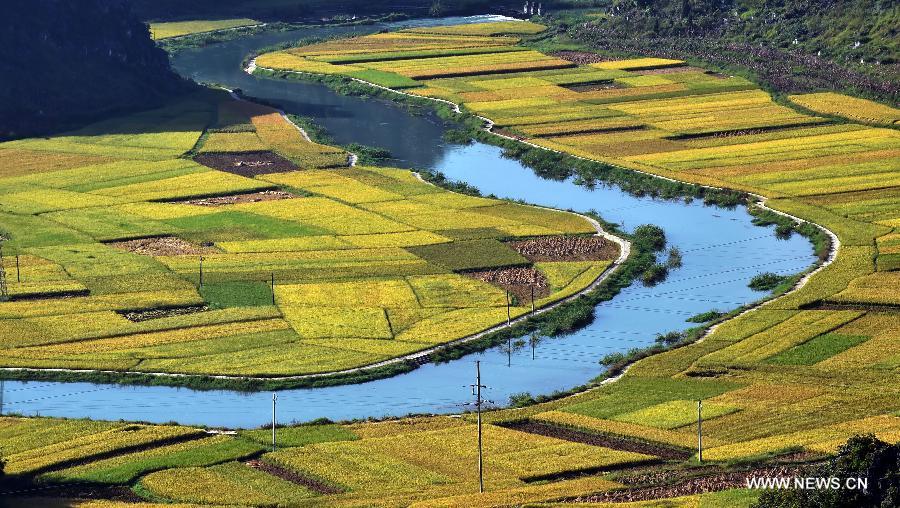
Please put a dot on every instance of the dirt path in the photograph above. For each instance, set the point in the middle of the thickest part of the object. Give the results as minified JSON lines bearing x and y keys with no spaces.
{"x":293,"y":477}
{"x":604,"y":440}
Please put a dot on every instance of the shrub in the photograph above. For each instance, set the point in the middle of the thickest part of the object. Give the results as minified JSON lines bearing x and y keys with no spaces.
{"x":767,"y":281}
{"x":861,"y":457}
{"x":650,"y":237}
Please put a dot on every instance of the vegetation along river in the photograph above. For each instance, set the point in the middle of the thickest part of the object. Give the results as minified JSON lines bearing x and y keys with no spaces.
{"x":722,"y":251}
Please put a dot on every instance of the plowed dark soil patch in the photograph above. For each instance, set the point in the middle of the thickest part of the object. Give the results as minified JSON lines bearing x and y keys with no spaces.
{"x":252,"y":197}
{"x":293,"y":477}
{"x":520,"y":281}
{"x":580,"y":57}
{"x":161,"y":246}
{"x":604,"y":440}
{"x":593,"y":87}
{"x":566,"y":248}
{"x":875,"y":307}
{"x":692,"y":486}
{"x":247,"y":164}
{"x":145,"y":315}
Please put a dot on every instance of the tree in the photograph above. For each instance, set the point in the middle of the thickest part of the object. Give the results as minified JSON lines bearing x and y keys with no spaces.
{"x":861,"y":457}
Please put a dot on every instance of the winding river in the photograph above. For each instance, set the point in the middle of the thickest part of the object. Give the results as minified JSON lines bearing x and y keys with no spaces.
{"x":722,"y":251}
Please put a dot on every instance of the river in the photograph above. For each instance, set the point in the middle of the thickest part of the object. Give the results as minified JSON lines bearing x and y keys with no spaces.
{"x":722,"y":250}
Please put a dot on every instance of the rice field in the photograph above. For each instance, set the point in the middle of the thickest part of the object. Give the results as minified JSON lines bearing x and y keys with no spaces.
{"x":367,"y":266}
{"x":159,"y":31}
{"x":148,"y":261}
{"x":806,"y":371}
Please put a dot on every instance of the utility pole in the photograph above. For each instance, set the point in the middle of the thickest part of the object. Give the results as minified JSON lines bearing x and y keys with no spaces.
{"x":201,"y":271}
{"x":476,"y":390}
{"x":18,"y":273}
{"x":532,"y":298}
{"x":273,"y":288}
{"x":700,"y":430}
{"x":274,"y":398}
{"x":2,"y":382}
{"x":4,"y":293}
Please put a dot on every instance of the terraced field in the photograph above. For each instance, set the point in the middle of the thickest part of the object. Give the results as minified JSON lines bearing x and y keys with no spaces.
{"x":315,"y":465}
{"x":123,"y":253}
{"x":805,"y":371}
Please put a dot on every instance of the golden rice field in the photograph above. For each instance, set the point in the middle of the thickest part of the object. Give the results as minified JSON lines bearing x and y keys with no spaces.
{"x":160,"y":31}
{"x":805,"y":371}
{"x":112,"y":221}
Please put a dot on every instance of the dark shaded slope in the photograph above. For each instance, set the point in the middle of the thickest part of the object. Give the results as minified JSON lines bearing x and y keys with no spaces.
{"x":65,"y":62}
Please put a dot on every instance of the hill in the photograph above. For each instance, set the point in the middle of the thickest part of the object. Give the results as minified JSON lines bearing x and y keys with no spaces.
{"x":297,"y":10}
{"x":789,"y":45}
{"x":68,"y":62}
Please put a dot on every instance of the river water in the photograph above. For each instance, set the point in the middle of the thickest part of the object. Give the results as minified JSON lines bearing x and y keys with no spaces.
{"x":722,"y":250}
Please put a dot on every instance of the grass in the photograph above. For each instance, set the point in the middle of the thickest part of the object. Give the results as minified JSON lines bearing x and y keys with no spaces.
{"x":125,"y":469}
{"x":223,"y":295}
{"x":301,"y":435}
{"x":485,"y":253}
{"x":817,"y":349}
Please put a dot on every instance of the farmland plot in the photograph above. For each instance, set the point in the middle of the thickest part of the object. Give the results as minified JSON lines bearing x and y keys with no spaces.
{"x":145,"y":260}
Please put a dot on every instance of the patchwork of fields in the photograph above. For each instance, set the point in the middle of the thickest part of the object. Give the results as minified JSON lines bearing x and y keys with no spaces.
{"x":123,"y":254}
{"x":804,"y":371}
{"x":379,"y":464}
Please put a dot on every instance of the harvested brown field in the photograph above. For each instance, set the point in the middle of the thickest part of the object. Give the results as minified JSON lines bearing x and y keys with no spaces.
{"x":604,"y":440}
{"x":252,"y":197}
{"x":247,"y":164}
{"x":698,"y":485}
{"x":161,"y":246}
{"x":593,"y":87}
{"x":293,"y":477}
{"x":146,"y":315}
{"x":565,"y":248}
{"x":519,"y":281}
{"x":580,"y":57}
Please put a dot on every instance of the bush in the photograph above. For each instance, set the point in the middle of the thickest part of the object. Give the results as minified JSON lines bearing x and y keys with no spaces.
{"x":766,"y":281}
{"x":861,"y":457}
{"x":650,"y":237}
{"x":655,"y":274}
{"x":705,"y":317}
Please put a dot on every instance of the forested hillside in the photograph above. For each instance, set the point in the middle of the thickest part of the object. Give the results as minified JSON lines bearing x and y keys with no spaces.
{"x":295,"y":10}
{"x":64,"y":62}
{"x":844,"y":29}
{"x":790,"y":45}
